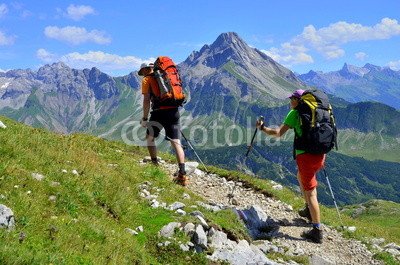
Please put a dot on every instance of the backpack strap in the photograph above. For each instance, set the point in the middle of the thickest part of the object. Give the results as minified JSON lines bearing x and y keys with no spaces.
{"x":310,"y":100}
{"x":334,"y":125}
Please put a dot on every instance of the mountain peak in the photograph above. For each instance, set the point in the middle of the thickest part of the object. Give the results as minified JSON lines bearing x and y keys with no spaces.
{"x":232,"y":42}
{"x":229,"y":46}
{"x":354,"y":70}
{"x":372,"y":67}
{"x":228,"y":38}
{"x":310,"y":75}
{"x":59,"y":65}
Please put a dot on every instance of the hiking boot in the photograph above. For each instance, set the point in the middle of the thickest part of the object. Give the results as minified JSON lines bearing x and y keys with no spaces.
{"x":181,"y":179}
{"x":314,"y":234}
{"x":154,"y":161}
{"x":305,"y":213}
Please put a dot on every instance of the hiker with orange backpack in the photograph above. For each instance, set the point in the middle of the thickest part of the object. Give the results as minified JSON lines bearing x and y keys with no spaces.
{"x":311,"y":144}
{"x":162,"y":93}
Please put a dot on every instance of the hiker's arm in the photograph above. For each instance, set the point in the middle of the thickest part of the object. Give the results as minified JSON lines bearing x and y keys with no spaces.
{"x":146,"y":105}
{"x":274,"y":132}
{"x":146,"y":108}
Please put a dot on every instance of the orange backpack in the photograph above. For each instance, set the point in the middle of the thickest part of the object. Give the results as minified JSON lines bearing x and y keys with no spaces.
{"x":169,"y":83}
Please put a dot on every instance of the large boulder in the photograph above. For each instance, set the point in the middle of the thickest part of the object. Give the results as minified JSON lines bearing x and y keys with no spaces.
{"x":199,"y":237}
{"x":258,"y":222}
{"x":242,"y":253}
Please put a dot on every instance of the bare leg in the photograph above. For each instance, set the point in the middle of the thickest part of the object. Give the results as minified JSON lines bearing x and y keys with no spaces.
{"x":180,"y":155}
{"x":312,"y":200}
{"x":151,"y":146}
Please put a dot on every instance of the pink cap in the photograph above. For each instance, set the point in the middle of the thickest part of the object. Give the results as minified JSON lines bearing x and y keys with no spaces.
{"x":297,"y":94}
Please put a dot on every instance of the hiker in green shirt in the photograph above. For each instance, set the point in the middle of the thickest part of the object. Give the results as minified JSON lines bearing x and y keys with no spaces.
{"x":307,"y":165}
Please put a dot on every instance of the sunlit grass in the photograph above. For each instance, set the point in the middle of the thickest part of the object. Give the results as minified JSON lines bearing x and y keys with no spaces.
{"x":78,"y":213}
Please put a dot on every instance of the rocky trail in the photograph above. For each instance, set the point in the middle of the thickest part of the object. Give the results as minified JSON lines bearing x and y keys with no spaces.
{"x":286,"y":223}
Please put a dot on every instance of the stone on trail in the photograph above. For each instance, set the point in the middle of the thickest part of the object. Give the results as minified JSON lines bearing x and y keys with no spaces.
{"x":190,"y":167}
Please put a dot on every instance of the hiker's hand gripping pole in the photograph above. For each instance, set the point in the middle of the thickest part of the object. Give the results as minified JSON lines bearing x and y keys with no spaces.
{"x":254,"y":136}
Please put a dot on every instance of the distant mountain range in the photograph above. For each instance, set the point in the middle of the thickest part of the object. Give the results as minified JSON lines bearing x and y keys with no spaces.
{"x":354,"y":84}
{"x":65,"y":100}
{"x":227,"y":77}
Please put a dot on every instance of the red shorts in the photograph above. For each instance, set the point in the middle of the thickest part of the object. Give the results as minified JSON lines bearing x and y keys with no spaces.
{"x":308,"y":166}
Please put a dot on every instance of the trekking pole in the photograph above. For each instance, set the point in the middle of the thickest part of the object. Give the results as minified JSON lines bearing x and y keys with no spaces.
{"x":254,"y":136}
{"x":191,"y":146}
{"x":184,"y":147}
{"x":333,"y":197}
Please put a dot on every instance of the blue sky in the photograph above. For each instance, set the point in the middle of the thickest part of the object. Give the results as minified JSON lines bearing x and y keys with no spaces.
{"x":117,"y":36}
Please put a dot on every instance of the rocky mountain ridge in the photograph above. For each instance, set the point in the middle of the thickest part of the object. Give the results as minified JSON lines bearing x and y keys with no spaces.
{"x":367,"y":83}
{"x":60,"y":98}
{"x":59,"y":77}
{"x":231,"y":74}
{"x":227,"y":77}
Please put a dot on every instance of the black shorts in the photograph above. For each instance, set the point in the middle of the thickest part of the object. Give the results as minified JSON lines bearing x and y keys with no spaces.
{"x":167,"y":119}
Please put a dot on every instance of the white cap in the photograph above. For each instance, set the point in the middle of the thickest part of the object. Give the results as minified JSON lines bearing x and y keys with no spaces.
{"x":144,"y":65}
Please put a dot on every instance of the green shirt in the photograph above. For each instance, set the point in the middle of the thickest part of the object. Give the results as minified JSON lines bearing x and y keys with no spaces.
{"x":293,"y":120}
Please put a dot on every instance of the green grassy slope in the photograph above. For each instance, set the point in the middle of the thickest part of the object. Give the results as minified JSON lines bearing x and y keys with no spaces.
{"x":89,"y":212}
{"x":371,"y":146}
{"x":383,"y":213}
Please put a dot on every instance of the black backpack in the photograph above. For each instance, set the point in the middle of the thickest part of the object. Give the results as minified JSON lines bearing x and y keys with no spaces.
{"x":317,"y":122}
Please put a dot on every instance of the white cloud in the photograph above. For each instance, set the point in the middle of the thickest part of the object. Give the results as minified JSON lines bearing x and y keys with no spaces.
{"x":46,"y":56}
{"x":75,"y":35}
{"x":333,"y":52}
{"x":3,"y":10}
{"x":101,"y":60}
{"x":394,"y":65}
{"x":290,"y":55}
{"x":79,"y":12}
{"x":328,"y":40}
{"x":6,"y":40}
{"x":361,"y":56}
